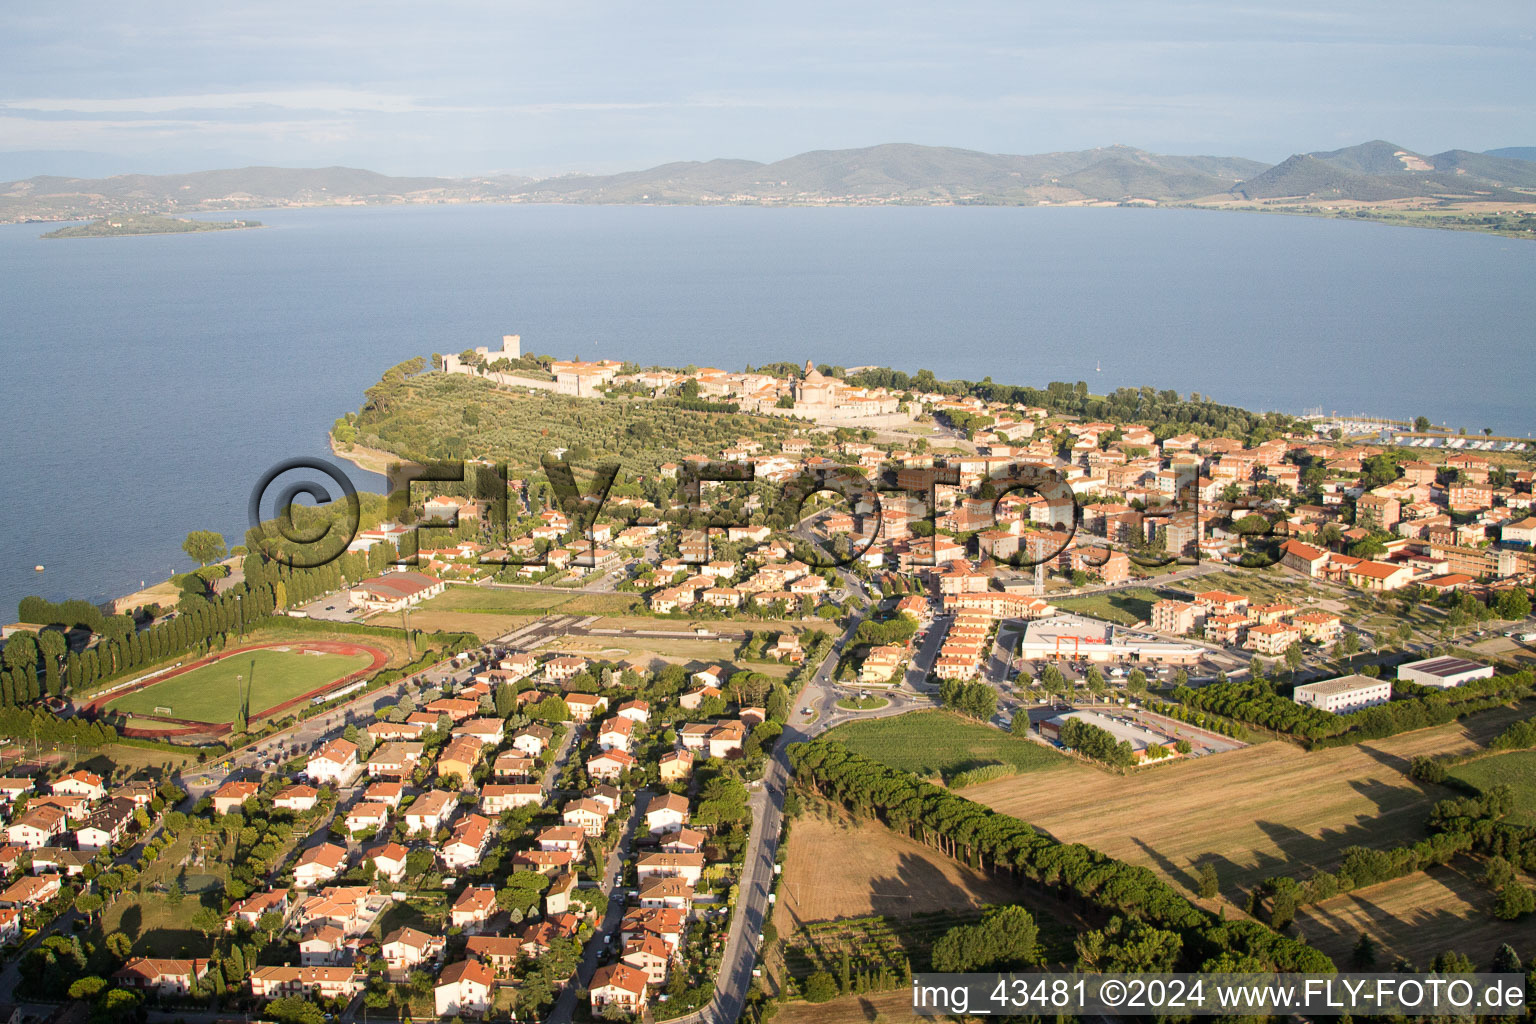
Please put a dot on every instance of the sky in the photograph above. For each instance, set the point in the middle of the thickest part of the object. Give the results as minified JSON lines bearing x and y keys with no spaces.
{"x":460,"y":88}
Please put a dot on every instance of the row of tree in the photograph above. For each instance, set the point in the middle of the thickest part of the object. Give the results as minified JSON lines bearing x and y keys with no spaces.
{"x":1413,"y":707}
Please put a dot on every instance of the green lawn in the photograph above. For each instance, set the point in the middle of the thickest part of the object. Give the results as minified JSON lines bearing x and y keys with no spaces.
{"x":157,"y":925}
{"x":941,"y":743}
{"x":1124,"y":607}
{"x":209,"y":694}
{"x":1517,"y":768}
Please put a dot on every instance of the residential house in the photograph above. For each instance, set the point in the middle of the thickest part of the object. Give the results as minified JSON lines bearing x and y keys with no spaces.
{"x":666,"y":812}
{"x":618,"y":985}
{"x":459,"y":758}
{"x":545,"y":862}
{"x":514,"y":766}
{"x":387,"y":793}
{"x":36,"y":827}
{"x":32,"y":891}
{"x":80,"y":783}
{"x":637,"y":711}
{"x":561,"y":837}
{"x":321,"y":944}
{"x":296,"y":798}
{"x":650,"y":956}
{"x":395,"y":760}
{"x":474,"y":907}
{"x":687,"y":866}
{"x":531,"y":740}
{"x":667,"y":892}
{"x":319,"y":864}
{"x":250,"y":910}
{"x":430,"y":812}
{"x":405,"y":948}
{"x":365,"y":816}
{"x":330,"y":982}
{"x":232,"y":796}
{"x":161,"y":977}
{"x":464,"y":848}
{"x":498,"y":952}
{"x":615,"y":734}
{"x":684,"y":840}
{"x":336,"y":763}
{"x":610,"y":764}
{"x":586,"y":814}
{"x":105,"y":827}
{"x":675,"y":766}
{"x":496,"y":797}
{"x":388,"y":859}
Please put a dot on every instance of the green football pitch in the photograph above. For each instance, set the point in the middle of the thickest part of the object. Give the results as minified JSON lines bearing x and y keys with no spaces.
{"x":211,"y":693}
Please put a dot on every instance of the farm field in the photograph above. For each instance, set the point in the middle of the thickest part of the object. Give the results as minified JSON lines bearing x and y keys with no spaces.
{"x":271,"y":675}
{"x":892,"y":875}
{"x":893,"y":1007}
{"x":941,"y":743}
{"x":501,"y":599}
{"x":679,"y":651}
{"x":1255,"y":812}
{"x":1516,"y":768}
{"x":1124,"y":607}
{"x":1417,"y":917}
{"x":485,"y":625}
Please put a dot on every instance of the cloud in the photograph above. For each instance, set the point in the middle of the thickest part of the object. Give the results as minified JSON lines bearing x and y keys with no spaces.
{"x":321,"y":99}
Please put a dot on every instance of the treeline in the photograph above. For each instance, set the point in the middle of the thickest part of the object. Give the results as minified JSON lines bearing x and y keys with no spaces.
{"x":1256,"y":704}
{"x":46,"y":727}
{"x":975,"y":699}
{"x":1278,"y":898}
{"x":1413,"y":707}
{"x":1002,"y":940}
{"x":1072,"y":872}
{"x":1199,"y":719}
{"x":1457,"y":825}
{"x":895,"y":630}
{"x":1100,"y":744}
{"x":1165,"y":412}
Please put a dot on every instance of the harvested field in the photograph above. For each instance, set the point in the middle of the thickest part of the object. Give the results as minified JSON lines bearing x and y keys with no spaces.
{"x":891,"y":874}
{"x":1266,"y":809}
{"x":485,"y":625}
{"x":1417,"y":917}
{"x":887,"y":1007}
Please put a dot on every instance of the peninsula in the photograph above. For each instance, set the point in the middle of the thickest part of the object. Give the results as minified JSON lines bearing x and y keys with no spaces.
{"x":114,"y":225}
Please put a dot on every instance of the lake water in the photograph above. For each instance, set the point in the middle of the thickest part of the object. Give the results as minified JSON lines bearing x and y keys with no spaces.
{"x":149,"y":382}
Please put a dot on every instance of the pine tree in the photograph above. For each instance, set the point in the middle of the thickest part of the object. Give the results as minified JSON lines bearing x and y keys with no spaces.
{"x":1363,"y":958}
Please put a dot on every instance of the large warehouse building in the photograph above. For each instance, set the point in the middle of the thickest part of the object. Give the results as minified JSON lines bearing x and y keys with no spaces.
{"x":1443,"y":672}
{"x":1070,"y":636}
{"x":1344,"y":694}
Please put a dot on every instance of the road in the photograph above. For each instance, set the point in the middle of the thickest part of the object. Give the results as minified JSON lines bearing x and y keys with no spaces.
{"x":608,"y":929}
{"x":820,"y":697}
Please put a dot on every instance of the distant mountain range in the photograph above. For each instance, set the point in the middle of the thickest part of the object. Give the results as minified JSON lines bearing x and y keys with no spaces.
{"x":1372,"y":172}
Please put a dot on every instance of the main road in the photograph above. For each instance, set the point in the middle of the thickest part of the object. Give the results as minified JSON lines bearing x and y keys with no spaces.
{"x":819,"y":698}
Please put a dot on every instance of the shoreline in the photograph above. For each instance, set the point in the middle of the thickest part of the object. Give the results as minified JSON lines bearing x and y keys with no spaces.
{"x":1394,"y":216}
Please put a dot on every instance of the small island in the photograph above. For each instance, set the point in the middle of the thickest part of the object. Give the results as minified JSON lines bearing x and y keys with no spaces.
{"x":146,"y":224}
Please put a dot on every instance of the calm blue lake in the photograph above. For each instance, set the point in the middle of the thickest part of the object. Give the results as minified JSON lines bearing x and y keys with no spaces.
{"x":149,"y":382}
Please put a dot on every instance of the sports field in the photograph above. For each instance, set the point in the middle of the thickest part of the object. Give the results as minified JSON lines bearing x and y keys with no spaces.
{"x":272,"y":675}
{"x":930,"y":743}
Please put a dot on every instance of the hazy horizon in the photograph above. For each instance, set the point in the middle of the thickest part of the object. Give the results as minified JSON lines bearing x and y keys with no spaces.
{"x":89,"y":89}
